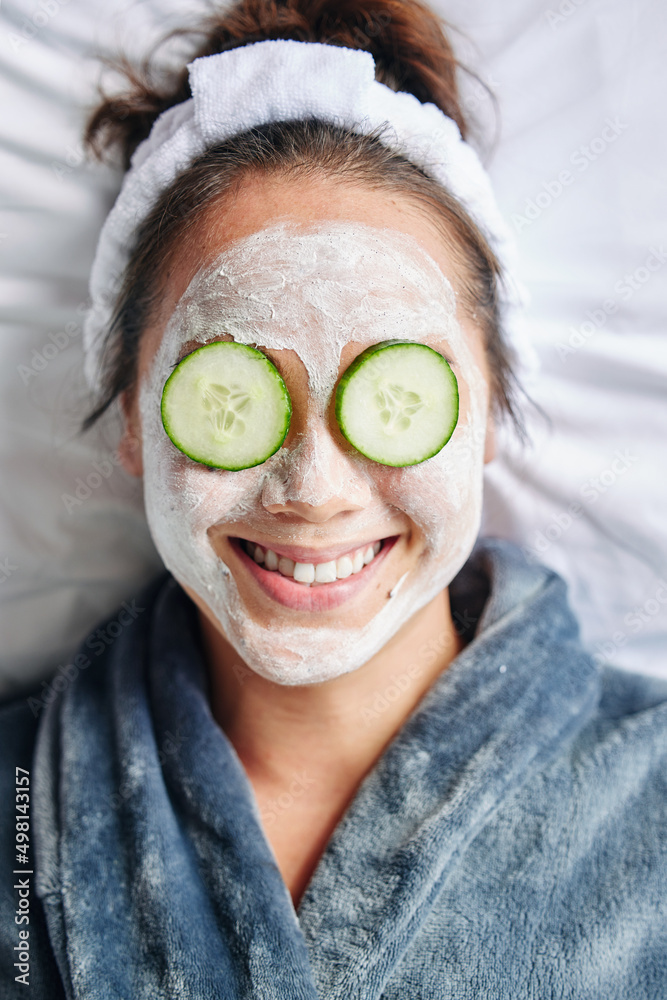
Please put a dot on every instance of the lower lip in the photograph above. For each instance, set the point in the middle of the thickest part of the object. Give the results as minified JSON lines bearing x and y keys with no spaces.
{"x":323,"y":597}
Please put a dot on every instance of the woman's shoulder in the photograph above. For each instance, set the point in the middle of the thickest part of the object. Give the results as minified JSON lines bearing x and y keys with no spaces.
{"x":623,"y":745}
{"x":614,"y":773}
{"x":628,"y":693}
{"x":574,"y":862}
{"x":627,"y":736}
{"x":631,"y":713}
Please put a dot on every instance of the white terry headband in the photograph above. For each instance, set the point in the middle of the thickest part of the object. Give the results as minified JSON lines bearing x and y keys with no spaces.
{"x":280,"y":80}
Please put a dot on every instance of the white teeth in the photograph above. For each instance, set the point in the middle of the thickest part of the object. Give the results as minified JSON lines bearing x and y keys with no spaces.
{"x":343,"y":567}
{"x":285,"y":566}
{"x":307,"y":573}
{"x":304,"y":572}
{"x":271,"y":559}
{"x":325,"y":572}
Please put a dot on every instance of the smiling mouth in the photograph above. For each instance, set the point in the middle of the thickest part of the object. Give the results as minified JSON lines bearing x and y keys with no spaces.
{"x":314,"y":573}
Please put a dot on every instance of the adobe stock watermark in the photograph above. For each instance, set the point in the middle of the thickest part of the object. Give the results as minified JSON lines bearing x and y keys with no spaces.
{"x":32,"y":24}
{"x":56,"y":344}
{"x":590,"y":492}
{"x":624,"y":288}
{"x":399,"y":682}
{"x":62,"y":339}
{"x":85,"y":487}
{"x":581,"y":159}
{"x":636,"y":619}
{"x":96,"y":643}
{"x":7,"y":567}
{"x":299,"y":785}
{"x":564,"y":10}
{"x":169,"y":745}
{"x":75,"y":157}
{"x":479,"y":94}
{"x":242,"y":672}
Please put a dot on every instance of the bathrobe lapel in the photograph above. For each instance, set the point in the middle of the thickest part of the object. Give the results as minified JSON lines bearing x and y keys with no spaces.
{"x":501,"y":710}
{"x":155,"y":874}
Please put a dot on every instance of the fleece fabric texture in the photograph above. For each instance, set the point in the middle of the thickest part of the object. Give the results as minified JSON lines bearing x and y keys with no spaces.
{"x":509,"y":843}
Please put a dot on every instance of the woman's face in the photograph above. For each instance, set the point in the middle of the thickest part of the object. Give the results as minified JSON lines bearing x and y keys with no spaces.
{"x":311,"y":275}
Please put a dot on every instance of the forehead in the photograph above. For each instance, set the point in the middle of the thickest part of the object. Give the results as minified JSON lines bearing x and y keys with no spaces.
{"x":315,"y":290}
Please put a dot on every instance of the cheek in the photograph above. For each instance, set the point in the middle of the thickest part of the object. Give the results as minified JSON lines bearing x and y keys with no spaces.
{"x":195,"y":496}
{"x":439,"y":494}
{"x":183,"y":499}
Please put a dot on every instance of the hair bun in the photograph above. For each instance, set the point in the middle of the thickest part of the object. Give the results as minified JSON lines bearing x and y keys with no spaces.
{"x":406,"y":39}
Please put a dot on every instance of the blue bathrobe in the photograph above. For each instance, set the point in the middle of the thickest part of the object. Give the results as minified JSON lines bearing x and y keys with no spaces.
{"x":511,"y":842}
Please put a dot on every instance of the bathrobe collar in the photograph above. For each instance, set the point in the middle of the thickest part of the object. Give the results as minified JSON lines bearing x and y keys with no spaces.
{"x":153,"y":868}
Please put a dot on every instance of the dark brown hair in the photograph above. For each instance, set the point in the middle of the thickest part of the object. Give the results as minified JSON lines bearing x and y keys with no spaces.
{"x":411,"y":53}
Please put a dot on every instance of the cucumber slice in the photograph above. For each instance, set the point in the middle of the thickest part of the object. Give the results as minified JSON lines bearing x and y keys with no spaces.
{"x":398,"y":403}
{"x":226,"y":406}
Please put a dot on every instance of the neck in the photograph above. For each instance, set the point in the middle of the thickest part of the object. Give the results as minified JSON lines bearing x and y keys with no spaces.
{"x":336,"y":730}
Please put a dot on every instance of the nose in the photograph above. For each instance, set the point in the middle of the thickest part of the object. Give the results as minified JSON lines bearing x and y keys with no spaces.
{"x":316,"y":479}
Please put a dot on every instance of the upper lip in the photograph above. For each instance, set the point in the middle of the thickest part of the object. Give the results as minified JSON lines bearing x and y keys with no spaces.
{"x":303,"y":554}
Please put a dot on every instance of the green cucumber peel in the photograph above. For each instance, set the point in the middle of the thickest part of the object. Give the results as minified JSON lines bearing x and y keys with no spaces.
{"x":226,"y":406}
{"x":398,"y":403}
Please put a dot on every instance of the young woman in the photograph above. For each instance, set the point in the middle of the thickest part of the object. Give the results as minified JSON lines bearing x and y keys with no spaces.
{"x":343,"y":748}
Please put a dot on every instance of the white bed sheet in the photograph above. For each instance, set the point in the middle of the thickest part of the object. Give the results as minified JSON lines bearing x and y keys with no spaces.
{"x":581,"y":88}
{"x":587,"y":498}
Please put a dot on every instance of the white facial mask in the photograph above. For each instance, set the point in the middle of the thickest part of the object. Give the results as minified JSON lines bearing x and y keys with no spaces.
{"x":313,"y":291}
